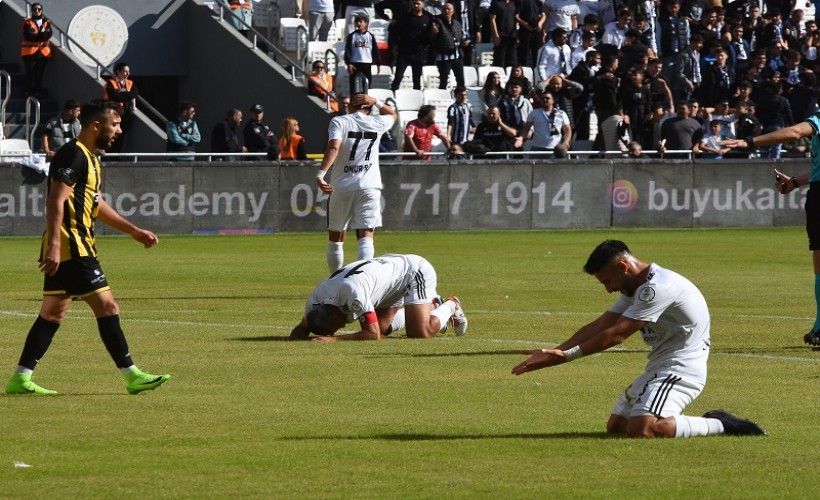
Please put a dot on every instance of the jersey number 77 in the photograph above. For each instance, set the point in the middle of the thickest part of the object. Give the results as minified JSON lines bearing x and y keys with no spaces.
{"x":354,"y":149}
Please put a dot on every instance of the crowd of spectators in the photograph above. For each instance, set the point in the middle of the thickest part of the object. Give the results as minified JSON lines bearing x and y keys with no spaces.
{"x":627,"y":66}
{"x":649,"y":75}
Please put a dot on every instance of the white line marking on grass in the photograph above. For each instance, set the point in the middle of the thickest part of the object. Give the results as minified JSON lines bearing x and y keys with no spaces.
{"x":533,"y":344}
{"x":167,"y":322}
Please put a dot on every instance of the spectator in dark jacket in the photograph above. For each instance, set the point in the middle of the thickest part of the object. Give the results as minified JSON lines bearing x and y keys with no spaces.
{"x":584,"y":74}
{"x":414,"y":34}
{"x":633,"y":95}
{"x":447,"y":42}
{"x":224,"y":138}
{"x":804,"y":97}
{"x":774,"y":113}
{"x":718,"y":80}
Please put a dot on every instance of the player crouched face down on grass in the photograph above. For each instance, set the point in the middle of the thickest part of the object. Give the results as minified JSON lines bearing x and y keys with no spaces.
{"x":373,"y":292}
{"x":671,"y":314}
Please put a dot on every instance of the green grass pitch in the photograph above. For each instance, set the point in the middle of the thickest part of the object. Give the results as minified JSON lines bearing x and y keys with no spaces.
{"x":249,"y":416}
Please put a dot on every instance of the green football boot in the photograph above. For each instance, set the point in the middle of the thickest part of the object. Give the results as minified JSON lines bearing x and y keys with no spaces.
{"x":21,"y":384}
{"x":137,"y":381}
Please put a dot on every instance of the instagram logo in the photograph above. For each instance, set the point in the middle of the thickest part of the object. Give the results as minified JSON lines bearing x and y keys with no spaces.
{"x":623,"y":196}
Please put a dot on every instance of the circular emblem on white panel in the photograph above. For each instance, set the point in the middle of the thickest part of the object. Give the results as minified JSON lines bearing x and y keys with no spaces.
{"x":101,"y":31}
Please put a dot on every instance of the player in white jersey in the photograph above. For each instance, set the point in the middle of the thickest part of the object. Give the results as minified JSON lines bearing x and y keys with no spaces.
{"x":373,"y":292}
{"x":673,"y":318}
{"x":355,"y":181}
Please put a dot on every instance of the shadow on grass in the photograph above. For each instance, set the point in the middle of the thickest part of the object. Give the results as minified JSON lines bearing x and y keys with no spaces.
{"x":503,"y":352}
{"x":449,"y":437}
{"x":266,"y":338}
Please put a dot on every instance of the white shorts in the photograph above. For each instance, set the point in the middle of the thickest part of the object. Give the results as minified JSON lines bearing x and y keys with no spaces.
{"x":422,"y":287}
{"x":659,"y":394}
{"x":359,"y":209}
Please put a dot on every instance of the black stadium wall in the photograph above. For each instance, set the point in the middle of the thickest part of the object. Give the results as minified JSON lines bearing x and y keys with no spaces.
{"x":230,"y":197}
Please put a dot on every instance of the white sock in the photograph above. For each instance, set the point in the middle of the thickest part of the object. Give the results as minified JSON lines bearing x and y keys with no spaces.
{"x":335,"y":255}
{"x":443,"y":313}
{"x":366,"y":249}
{"x":398,"y":321}
{"x":22,"y":370}
{"x":696,"y":426}
{"x":127,"y":369}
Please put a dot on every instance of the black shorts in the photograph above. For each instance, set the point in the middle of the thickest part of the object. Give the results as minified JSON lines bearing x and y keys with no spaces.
{"x":77,"y":278}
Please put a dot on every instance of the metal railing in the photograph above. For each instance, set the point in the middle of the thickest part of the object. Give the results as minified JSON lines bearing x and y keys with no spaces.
{"x":100,"y":68}
{"x":294,"y":66}
{"x":5,"y":95}
{"x":493,"y":155}
{"x":32,"y":101}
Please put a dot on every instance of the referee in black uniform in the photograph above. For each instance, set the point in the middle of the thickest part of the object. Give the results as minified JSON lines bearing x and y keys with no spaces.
{"x":68,"y":256}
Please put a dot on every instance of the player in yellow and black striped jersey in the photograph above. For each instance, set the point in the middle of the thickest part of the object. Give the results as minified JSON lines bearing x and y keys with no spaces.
{"x":76,"y":166}
{"x":68,"y":256}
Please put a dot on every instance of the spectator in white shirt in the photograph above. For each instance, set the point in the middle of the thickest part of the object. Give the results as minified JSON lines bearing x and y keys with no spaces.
{"x":615,"y":32}
{"x":554,"y":56}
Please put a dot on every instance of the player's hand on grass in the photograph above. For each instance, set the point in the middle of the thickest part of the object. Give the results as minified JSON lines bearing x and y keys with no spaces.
{"x":539,"y":358}
{"x":323,"y":339}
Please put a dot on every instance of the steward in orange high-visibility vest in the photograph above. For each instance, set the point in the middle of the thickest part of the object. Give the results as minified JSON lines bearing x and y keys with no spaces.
{"x":35,"y":49}
{"x":320,"y":84}
{"x":121,"y":89}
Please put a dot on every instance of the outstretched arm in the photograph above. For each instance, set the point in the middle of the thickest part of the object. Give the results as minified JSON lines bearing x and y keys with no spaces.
{"x":588,"y":340}
{"x":784,"y":135}
{"x":369,"y":331}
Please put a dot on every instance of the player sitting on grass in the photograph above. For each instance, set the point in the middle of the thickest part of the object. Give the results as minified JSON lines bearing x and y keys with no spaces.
{"x":673,"y":318}
{"x":373,"y":291}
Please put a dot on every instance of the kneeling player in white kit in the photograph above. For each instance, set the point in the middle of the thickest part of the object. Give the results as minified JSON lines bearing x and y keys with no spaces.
{"x":355,"y":181}
{"x":373,"y":292}
{"x":673,"y":318}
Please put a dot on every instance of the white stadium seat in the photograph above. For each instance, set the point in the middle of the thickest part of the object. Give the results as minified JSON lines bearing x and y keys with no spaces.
{"x":382,"y":94}
{"x":438,"y":97}
{"x":470,"y":76}
{"x":409,"y":99}
{"x":290,"y":36}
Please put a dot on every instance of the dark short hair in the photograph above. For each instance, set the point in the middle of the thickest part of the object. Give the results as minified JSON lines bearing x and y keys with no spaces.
{"x":557,"y":32}
{"x":590,"y":19}
{"x":426,"y":110}
{"x":120,"y":66}
{"x":512,"y":82}
{"x":97,"y":109}
{"x":232,"y":112}
{"x":603,"y":255}
{"x":186,"y":105}
{"x":71,"y":104}
{"x":361,"y":17}
{"x":319,"y":321}
{"x":459,"y":89}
